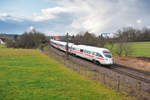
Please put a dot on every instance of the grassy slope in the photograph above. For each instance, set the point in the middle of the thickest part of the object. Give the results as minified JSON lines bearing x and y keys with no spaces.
{"x":138,"y":49}
{"x":30,"y":75}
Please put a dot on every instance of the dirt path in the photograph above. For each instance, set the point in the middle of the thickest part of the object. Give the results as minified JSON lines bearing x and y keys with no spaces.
{"x":141,"y":63}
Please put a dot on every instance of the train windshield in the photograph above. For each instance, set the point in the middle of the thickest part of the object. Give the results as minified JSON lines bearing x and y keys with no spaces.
{"x":107,"y":54}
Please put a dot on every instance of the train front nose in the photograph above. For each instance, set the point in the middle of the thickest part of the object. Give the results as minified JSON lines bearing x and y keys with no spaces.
{"x":107,"y":61}
{"x":111,"y":61}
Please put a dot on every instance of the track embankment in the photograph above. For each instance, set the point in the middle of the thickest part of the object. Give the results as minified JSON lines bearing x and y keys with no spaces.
{"x":126,"y":75}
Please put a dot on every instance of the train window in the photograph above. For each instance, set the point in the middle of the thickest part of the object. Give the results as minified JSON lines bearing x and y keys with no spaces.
{"x":107,"y":54}
{"x":99,"y":55}
{"x":89,"y":52}
{"x":81,"y":50}
{"x":94,"y":53}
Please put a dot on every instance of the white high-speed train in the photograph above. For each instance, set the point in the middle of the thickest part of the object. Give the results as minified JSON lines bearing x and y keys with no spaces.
{"x":95,"y":54}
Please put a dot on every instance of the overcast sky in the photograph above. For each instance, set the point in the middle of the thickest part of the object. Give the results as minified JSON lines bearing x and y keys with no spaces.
{"x":56,"y":17}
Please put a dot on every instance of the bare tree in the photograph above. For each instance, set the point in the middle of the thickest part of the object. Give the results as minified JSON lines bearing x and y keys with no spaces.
{"x":86,"y":39}
{"x":102,"y":41}
{"x":124,"y":47}
{"x":127,"y":49}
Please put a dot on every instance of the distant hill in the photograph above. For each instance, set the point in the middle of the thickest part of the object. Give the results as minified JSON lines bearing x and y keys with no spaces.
{"x":8,"y":35}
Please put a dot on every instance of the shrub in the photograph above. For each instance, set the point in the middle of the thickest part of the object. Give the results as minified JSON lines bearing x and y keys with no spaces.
{"x":28,"y":40}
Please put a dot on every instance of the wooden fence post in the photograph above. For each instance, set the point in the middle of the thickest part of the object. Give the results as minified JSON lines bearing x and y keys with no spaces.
{"x":139,"y":87}
{"x":104,"y":78}
{"x":118,"y":83}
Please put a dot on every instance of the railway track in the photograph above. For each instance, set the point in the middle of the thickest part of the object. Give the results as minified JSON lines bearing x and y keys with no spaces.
{"x":132,"y":69}
{"x":139,"y":75}
{"x":133,"y":73}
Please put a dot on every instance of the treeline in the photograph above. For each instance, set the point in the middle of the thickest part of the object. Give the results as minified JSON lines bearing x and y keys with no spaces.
{"x":121,"y":38}
{"x":124,"y":37}
{"x":127,"y":34}
{"x":28,"y":40}
{"x":122,"y":48}
{"x":88,"y":39}
{"x":134,"y":35}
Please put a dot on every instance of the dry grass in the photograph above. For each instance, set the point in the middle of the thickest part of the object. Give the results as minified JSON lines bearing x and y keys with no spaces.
{"x":132,"y":62}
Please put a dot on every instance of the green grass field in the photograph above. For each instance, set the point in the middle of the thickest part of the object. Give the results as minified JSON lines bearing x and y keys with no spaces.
{"x":138,"y":49}
{"x":141,"y":49}
{"x":30,"y":75}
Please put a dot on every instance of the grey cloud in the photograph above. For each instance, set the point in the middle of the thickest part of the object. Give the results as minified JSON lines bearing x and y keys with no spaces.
{"x":99,"y":15}
{"x":93,"y":15}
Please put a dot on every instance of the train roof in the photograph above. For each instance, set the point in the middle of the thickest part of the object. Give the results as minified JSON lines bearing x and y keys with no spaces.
{"x":90,"y":48}
{"x":63,"y":43}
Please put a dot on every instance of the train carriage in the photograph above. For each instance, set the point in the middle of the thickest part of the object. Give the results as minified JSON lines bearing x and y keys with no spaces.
{"x":95,"y":54}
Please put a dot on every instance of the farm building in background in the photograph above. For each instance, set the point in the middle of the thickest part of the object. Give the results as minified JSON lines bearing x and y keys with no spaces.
{"x":1,"y":41}
{"x":107,"y":35}
{"x":61,"y":38}
{"x":4,"y":37}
